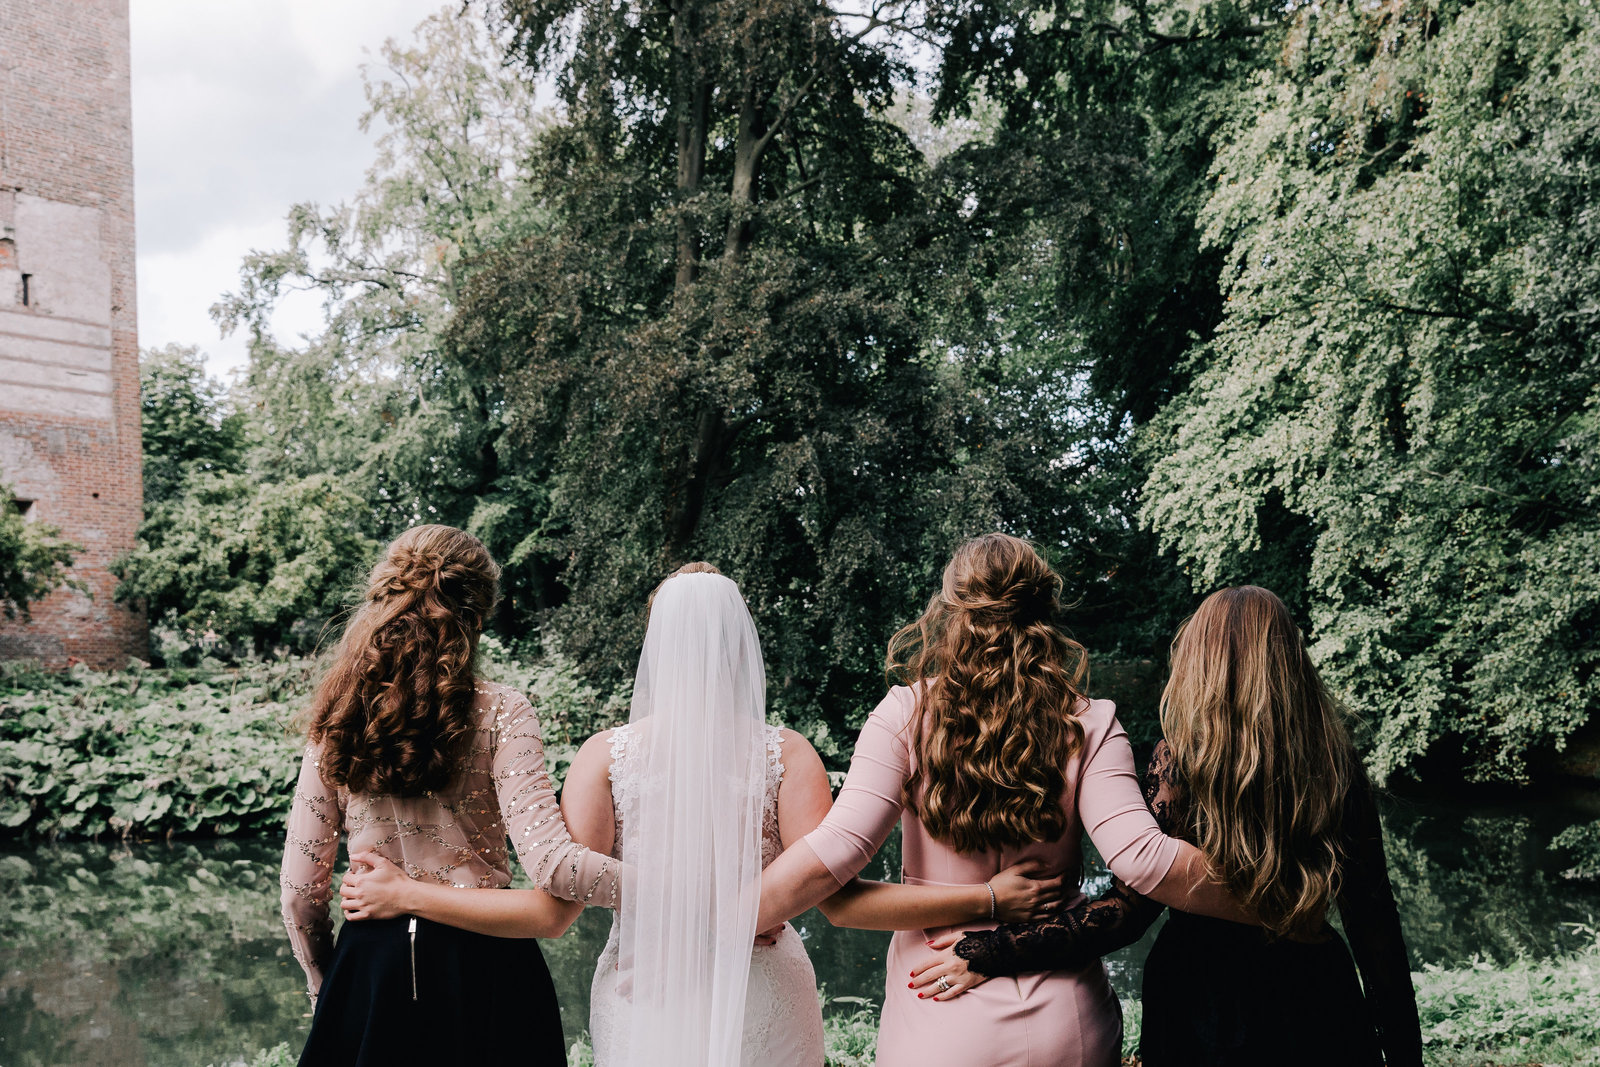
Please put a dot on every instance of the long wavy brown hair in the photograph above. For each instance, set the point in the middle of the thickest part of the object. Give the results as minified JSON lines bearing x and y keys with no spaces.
{"x":1264,"y":756}
{"x":998,"y":687}
{"x":394,"y":711}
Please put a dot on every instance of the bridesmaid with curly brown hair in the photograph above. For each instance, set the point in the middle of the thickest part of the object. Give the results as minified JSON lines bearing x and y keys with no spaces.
{"x":991,"y":753}
{"x":418,"y":762}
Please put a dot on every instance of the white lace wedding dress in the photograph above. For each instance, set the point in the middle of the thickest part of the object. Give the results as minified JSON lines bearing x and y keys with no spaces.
{"x":782,"y":1019}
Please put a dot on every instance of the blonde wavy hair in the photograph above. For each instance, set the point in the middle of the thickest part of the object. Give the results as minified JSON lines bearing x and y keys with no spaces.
{"x":1263,"y":754}
{"x":998,"y":687}
{"x":395,"y":709}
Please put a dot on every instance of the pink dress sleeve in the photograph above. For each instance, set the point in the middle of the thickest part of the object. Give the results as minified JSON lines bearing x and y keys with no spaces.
{"x":556,"y":863}
{"x":869,"y":804}
{"x":1112,"y":806}
{"x":305,"y":882}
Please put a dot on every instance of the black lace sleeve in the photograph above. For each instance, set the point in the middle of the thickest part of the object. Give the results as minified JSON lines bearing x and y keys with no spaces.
{"x":1372,"y":926}
{"x":1088,"y":931}
{"x":1071,"y":940}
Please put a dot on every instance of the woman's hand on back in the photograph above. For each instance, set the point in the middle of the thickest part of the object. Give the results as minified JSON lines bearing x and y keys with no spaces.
{"x":374,"y":888}
{"x":1023,"y":892}
{"x":945,"y":964}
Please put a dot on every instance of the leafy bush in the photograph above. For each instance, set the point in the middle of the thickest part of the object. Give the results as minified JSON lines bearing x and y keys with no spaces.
{"x":33,"y":559}
{"x":1529,"y":1011}
{"x":267,"y":563}
{"x":144,"y":752}
{"x":277,"y":1056}
{"x":1582,"y":842}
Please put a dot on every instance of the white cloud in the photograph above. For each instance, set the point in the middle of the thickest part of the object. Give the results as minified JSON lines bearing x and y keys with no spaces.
{"x":241,"y":109}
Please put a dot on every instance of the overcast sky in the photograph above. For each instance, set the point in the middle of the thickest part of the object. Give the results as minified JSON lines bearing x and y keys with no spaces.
{"x":241,"y":109}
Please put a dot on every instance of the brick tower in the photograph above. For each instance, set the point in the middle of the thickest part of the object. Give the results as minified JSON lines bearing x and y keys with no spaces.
{"x":69,"y":356}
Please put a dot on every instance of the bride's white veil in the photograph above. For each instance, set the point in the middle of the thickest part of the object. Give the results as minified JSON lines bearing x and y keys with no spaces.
{"x":693,"y":847}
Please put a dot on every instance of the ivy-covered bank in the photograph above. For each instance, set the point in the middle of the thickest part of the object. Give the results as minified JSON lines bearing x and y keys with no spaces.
{"x":1545,"y":1012}
{"x":208,"y":750}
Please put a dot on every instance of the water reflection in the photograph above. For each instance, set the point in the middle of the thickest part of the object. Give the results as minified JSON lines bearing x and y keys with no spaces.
{"x":173,"y":954}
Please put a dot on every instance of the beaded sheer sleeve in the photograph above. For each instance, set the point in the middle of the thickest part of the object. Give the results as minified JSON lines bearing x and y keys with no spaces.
{"x":1081,"y":934}
{"x":310,"y":848}
{"x":556,"y":863}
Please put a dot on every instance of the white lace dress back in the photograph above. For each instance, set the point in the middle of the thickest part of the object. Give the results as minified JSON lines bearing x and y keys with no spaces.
{"x":782,"y":1018}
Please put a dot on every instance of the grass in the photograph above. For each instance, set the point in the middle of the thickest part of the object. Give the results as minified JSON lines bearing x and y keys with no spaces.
{"x":1528,"y":1013}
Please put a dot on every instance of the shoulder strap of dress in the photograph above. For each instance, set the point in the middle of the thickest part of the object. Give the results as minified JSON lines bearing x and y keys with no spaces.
{"x":775,"y":752}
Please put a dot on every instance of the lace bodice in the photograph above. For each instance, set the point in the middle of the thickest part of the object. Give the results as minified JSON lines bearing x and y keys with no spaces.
{"x":625,"y":788}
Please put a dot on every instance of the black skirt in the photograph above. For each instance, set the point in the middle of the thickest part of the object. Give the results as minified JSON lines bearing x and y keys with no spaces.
{"x":1218,"y":994}
{"x":441,"y":997}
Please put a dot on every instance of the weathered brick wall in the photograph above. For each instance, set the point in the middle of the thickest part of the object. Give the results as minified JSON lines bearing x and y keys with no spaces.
{"x":69,"y":360}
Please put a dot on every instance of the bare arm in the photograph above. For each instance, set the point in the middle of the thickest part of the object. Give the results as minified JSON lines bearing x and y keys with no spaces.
{"x":804,"y":801}
{"x":383,"y":891}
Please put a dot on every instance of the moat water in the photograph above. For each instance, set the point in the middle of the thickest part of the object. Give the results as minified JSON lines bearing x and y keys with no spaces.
{"x":173,"y":954}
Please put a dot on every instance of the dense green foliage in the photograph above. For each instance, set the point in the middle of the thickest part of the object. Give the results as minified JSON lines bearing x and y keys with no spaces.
{"x":204,"y":750}
{"x":1582,"y":844}
{"x":147,"y":752}
{"x":34,"y":558}
{"x":231,"y":557}
{"x":1531,"y":1011}
{"x":1407,"y":372}
{"x":1189,"y":292}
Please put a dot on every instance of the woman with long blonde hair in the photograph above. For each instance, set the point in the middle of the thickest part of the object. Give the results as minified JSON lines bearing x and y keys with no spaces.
{"x":991,"y":753}
{"x":1257,"y":770}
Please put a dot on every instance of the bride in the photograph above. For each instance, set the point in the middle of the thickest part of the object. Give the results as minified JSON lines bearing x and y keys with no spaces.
{"x":696,"y":795}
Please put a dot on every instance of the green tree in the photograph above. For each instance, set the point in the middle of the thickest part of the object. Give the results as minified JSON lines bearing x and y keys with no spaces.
{"x":34,"y":559}
{"x":1407,"y":367}
{"x":711,"y":350}
{"x":188,"y":423}
{"x":247,"y":565}
{"x":369,"y":399}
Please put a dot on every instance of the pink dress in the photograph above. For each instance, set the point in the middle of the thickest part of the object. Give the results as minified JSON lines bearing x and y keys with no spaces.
{"x":1057,"y":1018}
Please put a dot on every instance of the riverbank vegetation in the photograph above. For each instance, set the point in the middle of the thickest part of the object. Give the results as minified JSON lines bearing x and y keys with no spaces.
{"x":209,"y":749}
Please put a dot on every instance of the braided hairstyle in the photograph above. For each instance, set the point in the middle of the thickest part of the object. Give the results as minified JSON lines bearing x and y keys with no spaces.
{"x":998,"y":686}
{"x":394,"y":711}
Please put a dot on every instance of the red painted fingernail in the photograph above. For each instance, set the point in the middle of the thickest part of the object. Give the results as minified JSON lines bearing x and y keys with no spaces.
{"x":911,"y":985}
{"x":919,"y":996}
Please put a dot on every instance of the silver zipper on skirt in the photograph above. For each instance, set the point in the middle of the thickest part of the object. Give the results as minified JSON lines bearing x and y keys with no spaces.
{"x":412,"y":930}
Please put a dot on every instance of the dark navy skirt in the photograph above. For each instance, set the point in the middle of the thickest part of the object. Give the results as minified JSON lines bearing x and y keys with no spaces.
{"x":440,"y":997}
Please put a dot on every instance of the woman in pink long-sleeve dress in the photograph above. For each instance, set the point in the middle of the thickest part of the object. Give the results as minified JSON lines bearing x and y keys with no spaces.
{"x":994,"y":756}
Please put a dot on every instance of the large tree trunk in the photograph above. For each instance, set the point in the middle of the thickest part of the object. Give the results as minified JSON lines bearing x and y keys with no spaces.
{"x":748,"y":151}
{"x":686,"y":499}
{"x":694,"y":98}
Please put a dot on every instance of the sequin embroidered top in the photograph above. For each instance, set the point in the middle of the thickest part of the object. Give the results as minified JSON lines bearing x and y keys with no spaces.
{"x":456,"y":836}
